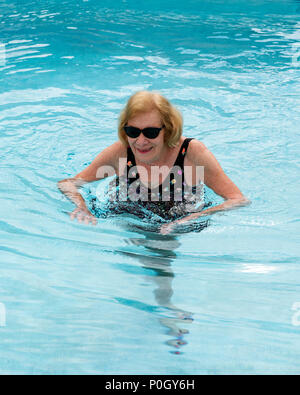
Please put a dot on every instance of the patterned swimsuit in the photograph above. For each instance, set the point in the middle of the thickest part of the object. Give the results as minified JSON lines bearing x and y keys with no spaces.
{"x":166,"y":200}
{"x":150,"y":203}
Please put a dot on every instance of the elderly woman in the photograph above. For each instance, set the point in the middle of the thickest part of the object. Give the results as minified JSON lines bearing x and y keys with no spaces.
{"x":159,"y":165}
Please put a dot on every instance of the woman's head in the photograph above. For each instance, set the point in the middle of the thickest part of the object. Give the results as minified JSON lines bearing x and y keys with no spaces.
{"x":144,"y":102}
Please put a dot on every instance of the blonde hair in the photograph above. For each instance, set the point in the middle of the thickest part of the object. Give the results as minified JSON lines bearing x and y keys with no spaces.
{"x":144,"y":101}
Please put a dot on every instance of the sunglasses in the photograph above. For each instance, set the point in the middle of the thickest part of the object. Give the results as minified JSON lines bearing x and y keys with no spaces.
{"x":149,"y":133}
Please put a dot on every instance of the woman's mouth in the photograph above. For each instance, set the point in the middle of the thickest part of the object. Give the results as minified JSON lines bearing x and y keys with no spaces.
{"x":144,"y":150}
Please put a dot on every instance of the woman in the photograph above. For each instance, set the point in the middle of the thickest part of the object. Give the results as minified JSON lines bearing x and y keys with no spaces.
{"x":150,"y":147}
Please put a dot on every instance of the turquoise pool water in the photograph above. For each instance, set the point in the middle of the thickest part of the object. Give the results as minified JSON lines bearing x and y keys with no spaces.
{"x":119,"y":297}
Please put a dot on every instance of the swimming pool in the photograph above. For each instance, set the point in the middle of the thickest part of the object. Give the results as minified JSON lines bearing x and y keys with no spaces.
{"x":118,"y":297}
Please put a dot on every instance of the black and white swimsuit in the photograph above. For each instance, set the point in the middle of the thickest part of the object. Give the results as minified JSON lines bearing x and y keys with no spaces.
{"x":167,"y":199}
{"x":127,"y":194}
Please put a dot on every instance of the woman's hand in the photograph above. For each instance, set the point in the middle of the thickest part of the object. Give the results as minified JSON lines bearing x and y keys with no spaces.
{"x":83,"y":215}
{"x":165,"y":229}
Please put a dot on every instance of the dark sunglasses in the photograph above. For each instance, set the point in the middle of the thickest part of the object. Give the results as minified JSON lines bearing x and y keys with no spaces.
{"x":149,"y":133}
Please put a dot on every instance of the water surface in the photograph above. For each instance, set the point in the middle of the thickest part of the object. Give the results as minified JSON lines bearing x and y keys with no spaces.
{"x":119,"y":297}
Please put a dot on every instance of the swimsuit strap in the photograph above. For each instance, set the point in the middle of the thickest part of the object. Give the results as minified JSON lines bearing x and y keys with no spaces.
{"x":180,"y":163}
{"x":130,"y":158}
{"x":130,"y":163}
{"x":181,"y":155}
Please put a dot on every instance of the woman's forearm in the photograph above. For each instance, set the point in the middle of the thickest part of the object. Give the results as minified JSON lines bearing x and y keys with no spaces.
{"x":69,"y":187}
{"x":229,"y":204}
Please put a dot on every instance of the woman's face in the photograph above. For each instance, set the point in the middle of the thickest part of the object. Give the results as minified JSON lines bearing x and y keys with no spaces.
{"x":147,"y":150}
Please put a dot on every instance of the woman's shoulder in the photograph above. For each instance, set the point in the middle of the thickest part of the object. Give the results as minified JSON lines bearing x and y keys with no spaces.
{"x":119,"y":149}
{"x":196,"y":150}
{"x":116,"y":150}
{"x":111,"y":154}
{"x":195,"y":147}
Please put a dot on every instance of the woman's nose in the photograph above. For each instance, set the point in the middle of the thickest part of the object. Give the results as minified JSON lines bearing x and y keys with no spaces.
{"x":141,"y":140}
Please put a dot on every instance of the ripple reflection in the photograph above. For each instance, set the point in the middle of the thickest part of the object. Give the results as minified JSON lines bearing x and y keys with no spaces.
{"x":158,"y":259}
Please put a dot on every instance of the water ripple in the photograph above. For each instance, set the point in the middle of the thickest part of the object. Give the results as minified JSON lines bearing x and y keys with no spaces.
{"x":121,"y":288}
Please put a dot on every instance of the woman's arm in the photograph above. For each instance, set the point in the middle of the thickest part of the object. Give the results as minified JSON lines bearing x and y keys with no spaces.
{"x":216,"y":179}
{"x":105,"y":164}
{"x":229,"y":204}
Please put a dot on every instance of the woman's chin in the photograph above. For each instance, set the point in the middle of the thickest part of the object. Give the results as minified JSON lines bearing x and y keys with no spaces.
{"x":147,"y":156}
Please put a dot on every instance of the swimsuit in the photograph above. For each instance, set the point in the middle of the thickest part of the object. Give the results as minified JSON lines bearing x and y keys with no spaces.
{"x":133,"y":197}
{"x":165,"y":200}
